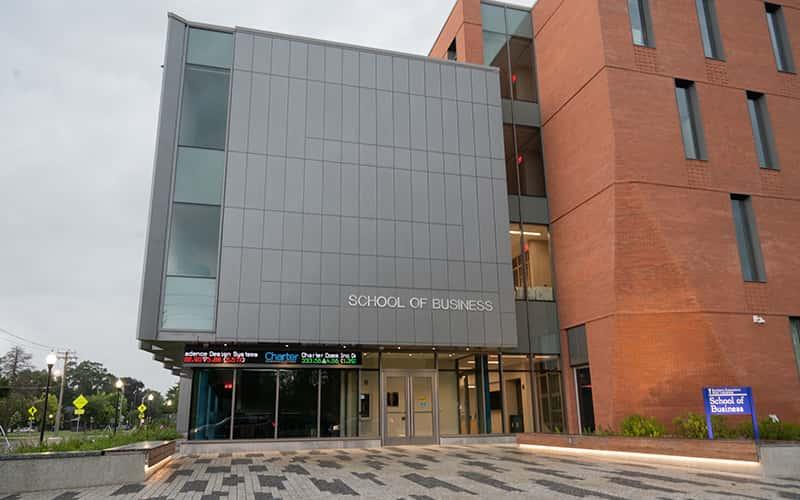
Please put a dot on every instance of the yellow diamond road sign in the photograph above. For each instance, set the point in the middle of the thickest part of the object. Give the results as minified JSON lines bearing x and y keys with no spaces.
{"x":142,"y":408}
{"x":80,"y":402}
{"x":32,"y":411}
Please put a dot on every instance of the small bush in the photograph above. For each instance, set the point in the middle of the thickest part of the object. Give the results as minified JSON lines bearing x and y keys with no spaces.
{"x":639,"y":426}
{"x":779,"y":431}
{"x":691,"y":426}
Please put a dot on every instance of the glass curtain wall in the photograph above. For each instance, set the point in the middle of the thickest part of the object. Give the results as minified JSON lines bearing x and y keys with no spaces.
{"x":547,"y":372}
{"x":517,"y":390}
{"x":531,"y":264}
{"x":460,"y":400}
{"x":190,"y":287}
{"x":508,"y":45}
{"x":286,"y":403}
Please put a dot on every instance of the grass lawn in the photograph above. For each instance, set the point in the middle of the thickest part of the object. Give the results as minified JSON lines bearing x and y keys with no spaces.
{"x":28,"y":442}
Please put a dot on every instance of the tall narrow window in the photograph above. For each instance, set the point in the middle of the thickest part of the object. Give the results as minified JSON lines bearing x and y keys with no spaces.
{"x":709,"y":28}
{"x":762,"y":131}
{"x":794,"y":327}
{"x":689,"y":113}
{"x":747,"y":239}
{"x":190,"y":286}
{"x":641,"y":25}
{"x":452,"y":51}
{"x":779,"y":37}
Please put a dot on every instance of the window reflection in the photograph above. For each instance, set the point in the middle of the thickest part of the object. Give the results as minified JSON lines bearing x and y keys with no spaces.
{"x":204,"y":112}
{"x":495,"y":53}
{"x":530,"y":251}
{"x":255,"y":405}
{"x":210,"y":416}
{"x":194,"y":241}
{"x":524,"y":168}
{"x":297,"y":406}
{"x":522,"y":71}
{"x":339,"y":403}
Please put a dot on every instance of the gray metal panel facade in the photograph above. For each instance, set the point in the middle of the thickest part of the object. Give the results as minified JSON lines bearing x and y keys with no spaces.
{"x":355,"y":171}
{"x":161,"y":190}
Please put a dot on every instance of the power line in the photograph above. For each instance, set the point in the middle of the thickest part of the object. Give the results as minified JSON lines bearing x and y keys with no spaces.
{"x":32,"y":343}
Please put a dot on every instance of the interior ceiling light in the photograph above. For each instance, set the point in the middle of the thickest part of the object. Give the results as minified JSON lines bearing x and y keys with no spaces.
{"x":526,"y":233}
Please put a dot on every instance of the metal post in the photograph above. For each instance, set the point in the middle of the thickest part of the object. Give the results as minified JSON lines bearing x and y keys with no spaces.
{"x":44,"y":411}
{"x":116,"y":412}
{"x":61,"y":392}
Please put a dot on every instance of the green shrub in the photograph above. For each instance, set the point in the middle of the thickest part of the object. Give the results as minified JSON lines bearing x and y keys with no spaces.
{"x":639,"y":426}
{"x":782,"y":431}
{"x":691,"y":426}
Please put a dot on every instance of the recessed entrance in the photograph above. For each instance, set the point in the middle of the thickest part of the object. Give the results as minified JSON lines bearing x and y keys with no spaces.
{"x":409,"y":401}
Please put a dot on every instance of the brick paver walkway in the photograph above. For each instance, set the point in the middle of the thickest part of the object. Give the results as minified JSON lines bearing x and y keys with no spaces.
{"x":499,"y":471}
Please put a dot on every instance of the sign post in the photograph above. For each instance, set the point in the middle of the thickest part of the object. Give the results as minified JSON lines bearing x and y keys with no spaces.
{"x":729,"y":401}
{"x":79,"y":404}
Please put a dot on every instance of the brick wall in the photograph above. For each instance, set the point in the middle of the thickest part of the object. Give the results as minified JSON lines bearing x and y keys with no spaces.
{"x":644,"y":248}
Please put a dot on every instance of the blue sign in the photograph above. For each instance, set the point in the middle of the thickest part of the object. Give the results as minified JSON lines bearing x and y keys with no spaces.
{"x":729,"y":401}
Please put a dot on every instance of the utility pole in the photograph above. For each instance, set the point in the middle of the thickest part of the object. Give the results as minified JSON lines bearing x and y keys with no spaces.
{"x":61,"y":393}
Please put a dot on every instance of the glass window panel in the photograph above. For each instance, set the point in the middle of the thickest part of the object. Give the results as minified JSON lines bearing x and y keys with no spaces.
{"x":422,"y":405}
{"x":469,"y":406}
{"x":449,"y":403}
{"x":795,"y":330}
{"x":638,"y":24}
{"x":519,"y":404}
{"x":495,"y":401}
{"x":516,"y":363}
{"x":210,"y":416}
{"x":189,"y":303}
{"x":684,"y":111}
{"x":297,"y":403}
{"x":519,"y":23}
{"x":709,"y":30}
{"x":466,"y":362}
{"x":523,"y":80}
{"x":204,"y":113}
{"x":585,"y":403}
{"x":546,"y":362}
{"x":339,"y":403}
{"x":493,"y":18}
{"x":746,"y":239}
{"x":194,"y":241}
{"x":531,"y":262}
{"x":752,"y":108}
{"x":525,"y":170}
{"x":210,"y":48}
{"x":779,"y":37}
{"x":199,"y":175}
{"x":369,"y":404}
{"x":495,"y":53}
{"x":548,"y":390}
{"x":254,"y":417}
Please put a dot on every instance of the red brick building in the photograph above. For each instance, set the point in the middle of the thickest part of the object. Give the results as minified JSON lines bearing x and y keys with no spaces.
{"x":669,"y":289}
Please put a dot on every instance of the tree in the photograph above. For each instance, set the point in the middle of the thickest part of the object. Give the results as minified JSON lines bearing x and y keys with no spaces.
{"x":90,"y":377}
{"x":14,"y":361}
{"x":172,"y":395}
{"x":133,"y":390}
{"x":101,"y":409}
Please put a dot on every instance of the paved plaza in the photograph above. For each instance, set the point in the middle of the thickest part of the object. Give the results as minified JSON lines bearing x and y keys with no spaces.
{"x":420,"y":473}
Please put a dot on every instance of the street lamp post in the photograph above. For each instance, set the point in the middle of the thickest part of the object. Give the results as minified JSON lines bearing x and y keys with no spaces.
{"x":51,"y":360}
{"x":118,"y":385}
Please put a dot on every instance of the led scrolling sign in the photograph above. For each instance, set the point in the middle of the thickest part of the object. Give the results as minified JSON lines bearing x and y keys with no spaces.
{"x":215,"y":355}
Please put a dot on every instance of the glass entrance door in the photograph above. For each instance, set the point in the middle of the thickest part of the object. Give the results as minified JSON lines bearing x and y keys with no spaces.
{"x":408,"y":408}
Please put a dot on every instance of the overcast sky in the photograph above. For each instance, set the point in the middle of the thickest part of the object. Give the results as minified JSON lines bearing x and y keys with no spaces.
{"x":79,"y":96}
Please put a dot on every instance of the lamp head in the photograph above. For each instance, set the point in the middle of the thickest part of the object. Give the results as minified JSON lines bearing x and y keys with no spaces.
{"x":118,"y":384}
{"x":150,"y":397}
{"x":51,"y":359}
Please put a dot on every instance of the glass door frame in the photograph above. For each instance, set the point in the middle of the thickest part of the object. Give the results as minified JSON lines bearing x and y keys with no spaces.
{"x":410,"y":438}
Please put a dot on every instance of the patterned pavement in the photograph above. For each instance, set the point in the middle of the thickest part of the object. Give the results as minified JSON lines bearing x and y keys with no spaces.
{"x":422,"y":473}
